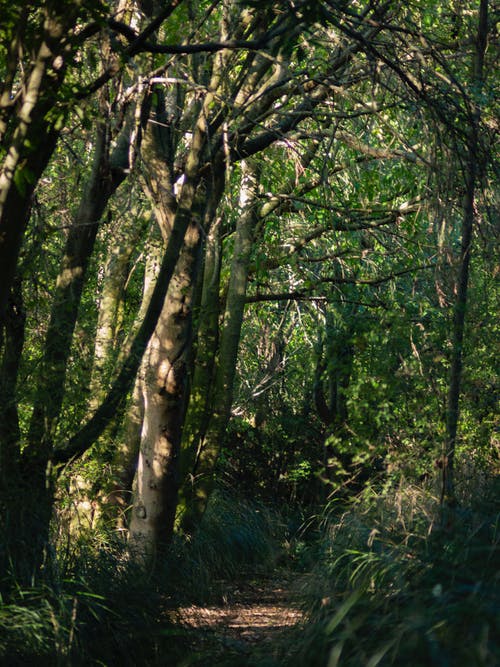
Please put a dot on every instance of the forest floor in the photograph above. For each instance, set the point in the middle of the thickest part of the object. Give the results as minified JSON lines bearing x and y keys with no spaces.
{"x":250,"y":622}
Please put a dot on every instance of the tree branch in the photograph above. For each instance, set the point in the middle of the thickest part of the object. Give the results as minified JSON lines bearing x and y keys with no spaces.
{"x":308,"y":294}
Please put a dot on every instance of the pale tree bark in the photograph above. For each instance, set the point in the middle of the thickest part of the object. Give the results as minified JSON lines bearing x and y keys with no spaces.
{"x":472,"y":170}
{"x":111,"y":303}
{"x":202,"y":386}
{"x":164,"y":388}
{"x":234,"y":133}
{"x":168,"y":357}
{"x":164,"y":396}
{"x":228,"y":350}
{"x":119,"y":498}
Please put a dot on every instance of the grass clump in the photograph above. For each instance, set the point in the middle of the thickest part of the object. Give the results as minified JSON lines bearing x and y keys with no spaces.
{"x":31,"y":627}
{"x":99,"y":610}
{"x":236,"y":536}
{"x":97,"y":607}
{"x":399,"y":581}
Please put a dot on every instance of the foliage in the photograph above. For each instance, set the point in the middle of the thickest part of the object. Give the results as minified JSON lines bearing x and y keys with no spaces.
{"x":275,"y":460}
{"x":99,"y":610}
{"x":103,"y":609}
{"x":236,"y":536}
{"x":347,"y":347}
{"x":401,"y":580}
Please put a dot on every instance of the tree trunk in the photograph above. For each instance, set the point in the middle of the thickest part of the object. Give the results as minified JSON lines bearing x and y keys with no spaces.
{"x":471,"y":175}
{"x":110,"y":315}
{"x":164,"y":395}
{"x":67,"y":297}
{"x":13,"y":543}
{"x":202,"y":484}
{"x":335,"y":357}
{"x":119,"y":499}
{"x":9,"y":418}
{"x":207,"y":337}
{"x":124,"y":380}
{"x":28,"y":136}
{"x":34,"y":474}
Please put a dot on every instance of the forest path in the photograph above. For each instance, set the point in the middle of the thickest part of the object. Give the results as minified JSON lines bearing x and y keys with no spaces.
{"x":252,"y":619}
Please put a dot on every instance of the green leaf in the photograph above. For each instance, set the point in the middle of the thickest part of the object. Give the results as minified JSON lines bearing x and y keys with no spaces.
{"x":377,"y":657}
{"x":335,"y":653}
{"x":344,"y":609}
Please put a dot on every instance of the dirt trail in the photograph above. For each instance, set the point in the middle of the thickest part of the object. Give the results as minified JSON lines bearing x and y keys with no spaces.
{"x":253,"y":614}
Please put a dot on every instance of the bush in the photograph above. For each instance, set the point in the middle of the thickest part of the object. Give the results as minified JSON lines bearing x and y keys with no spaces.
{"x":101,"y":611}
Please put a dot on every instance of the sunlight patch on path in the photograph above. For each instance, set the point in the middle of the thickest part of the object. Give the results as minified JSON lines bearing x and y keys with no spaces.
{"x":250,"y":614}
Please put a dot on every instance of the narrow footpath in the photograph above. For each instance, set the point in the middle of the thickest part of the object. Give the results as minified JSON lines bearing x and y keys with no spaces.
{"x":248,"y":626}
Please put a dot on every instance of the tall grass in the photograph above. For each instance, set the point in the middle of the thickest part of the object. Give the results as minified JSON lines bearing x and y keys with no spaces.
{"x":236,"y":536}
{"x":100,"y":609}
{"x":400,"y":581}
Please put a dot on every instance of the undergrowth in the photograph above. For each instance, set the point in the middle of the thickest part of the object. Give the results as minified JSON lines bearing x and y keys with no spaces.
{"x":399,"y":580}
{"x":391,"y":579}
{"x":236,"y":536}
{"x":98,"y":608}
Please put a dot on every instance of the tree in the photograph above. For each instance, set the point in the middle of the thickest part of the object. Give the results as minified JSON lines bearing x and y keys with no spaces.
{"x":33,"y":116}
{"x":222,"y":394}
{"x":346,"y":202}
{"x":471,"y":172}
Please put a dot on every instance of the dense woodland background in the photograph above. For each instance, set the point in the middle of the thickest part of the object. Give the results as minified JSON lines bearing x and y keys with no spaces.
{"x":249,"y":323}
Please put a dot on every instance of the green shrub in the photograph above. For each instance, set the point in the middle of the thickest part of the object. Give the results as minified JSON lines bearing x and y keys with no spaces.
{"x":101,"y":609}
